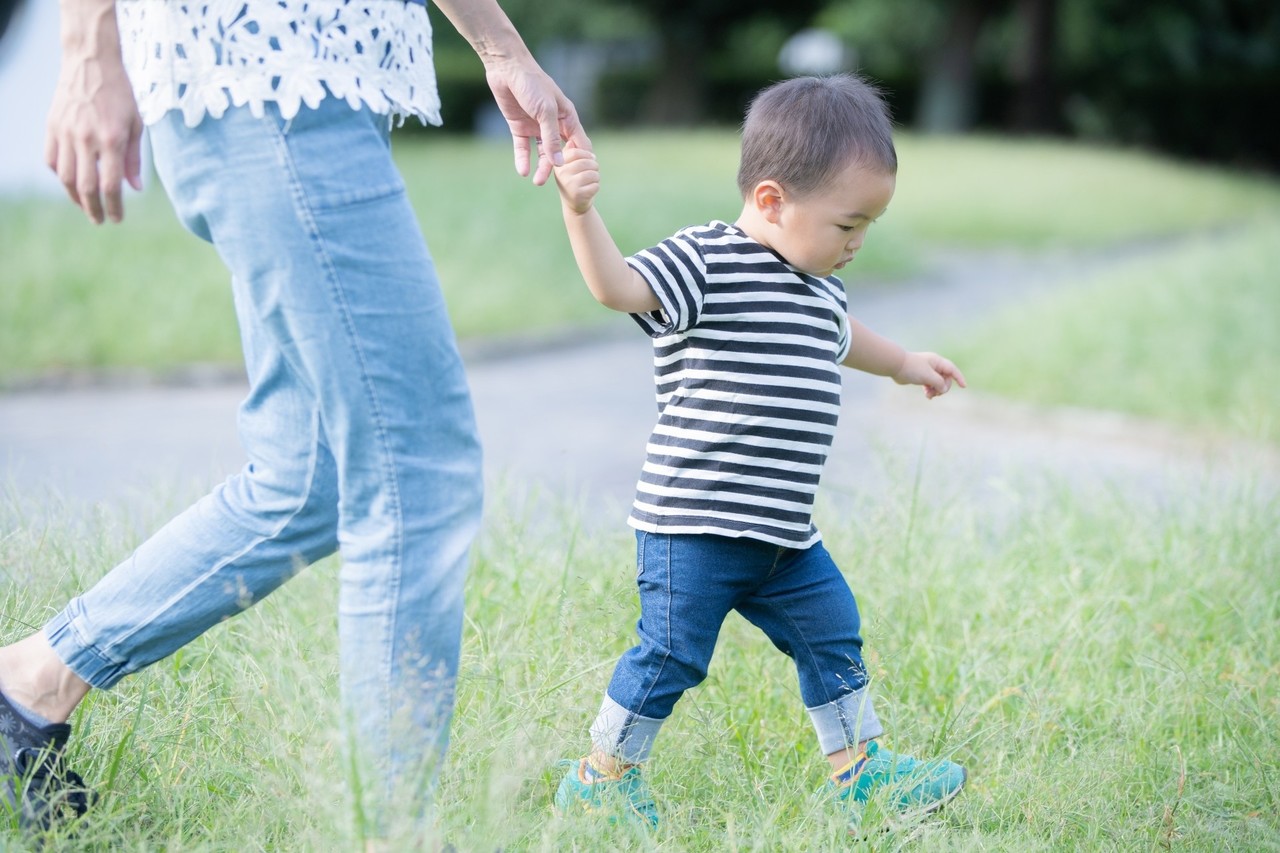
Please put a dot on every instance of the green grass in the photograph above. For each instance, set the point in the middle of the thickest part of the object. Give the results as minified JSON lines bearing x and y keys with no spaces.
{"x":149,"y":295}
{"x":1190,"y":336}
{"x":975,"y":191}
{"x":1107,"y":669}
{"x":143,"y":295}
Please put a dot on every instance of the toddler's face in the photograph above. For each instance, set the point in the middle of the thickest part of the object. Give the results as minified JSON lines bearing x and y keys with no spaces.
{"x":821,"y":232}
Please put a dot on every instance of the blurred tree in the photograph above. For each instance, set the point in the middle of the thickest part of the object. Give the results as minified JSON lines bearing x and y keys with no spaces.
{"x":694,"y":34}
{"x":1032,"y":67}
{"x":948,"y":97}
{"x":696,"y":41}
{"x":547,"y":26}
{"x":576,"y":20}
{"x":937,"y":47}
{"x":1198,"y":77}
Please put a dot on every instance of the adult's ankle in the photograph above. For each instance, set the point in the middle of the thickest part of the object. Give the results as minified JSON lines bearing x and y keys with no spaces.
{"x":33,"y":676}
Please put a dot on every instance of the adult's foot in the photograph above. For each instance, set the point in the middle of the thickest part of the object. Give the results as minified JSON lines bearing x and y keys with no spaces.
{"x":36,"y":790}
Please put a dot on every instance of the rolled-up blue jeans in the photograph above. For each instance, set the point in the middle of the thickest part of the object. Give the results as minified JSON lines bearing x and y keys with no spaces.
{"x":358,"y":428}
{"x":688,"y":584}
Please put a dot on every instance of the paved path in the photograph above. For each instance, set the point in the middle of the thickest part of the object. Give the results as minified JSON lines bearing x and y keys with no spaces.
{"x":566,"y":423}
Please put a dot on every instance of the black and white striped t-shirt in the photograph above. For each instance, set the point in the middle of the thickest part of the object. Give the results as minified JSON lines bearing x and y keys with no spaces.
{"x":747,"y":353}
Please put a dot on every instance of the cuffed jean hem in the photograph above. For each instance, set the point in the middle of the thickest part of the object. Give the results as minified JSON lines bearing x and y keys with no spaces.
{"x":94,"y":668}
{"x":623,"y":734}
{"x":847,"y":721}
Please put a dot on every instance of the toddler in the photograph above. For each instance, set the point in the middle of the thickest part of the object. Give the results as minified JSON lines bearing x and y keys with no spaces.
{"x":750,"y":327}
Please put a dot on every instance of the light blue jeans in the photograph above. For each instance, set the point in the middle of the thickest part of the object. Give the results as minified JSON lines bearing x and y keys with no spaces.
{"x":358,"y":427}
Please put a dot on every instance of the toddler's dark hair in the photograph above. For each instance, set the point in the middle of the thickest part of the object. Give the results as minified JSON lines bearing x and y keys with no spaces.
{"x":802,"y":131}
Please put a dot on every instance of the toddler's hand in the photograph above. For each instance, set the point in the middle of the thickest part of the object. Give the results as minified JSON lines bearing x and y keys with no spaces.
{"x":932,"y":371}
{"x":579,"y":178}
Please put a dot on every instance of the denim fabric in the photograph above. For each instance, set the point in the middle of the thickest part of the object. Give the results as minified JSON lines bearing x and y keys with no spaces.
{"x":688,"y":584}
{"x":358,"y":428}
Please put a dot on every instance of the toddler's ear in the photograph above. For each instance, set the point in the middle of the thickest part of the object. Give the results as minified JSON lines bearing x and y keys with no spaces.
{"x":767,"y":199}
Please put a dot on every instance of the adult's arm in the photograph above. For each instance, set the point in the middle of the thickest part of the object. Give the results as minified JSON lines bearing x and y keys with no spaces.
{"x":530,"y":101}
{"x":93,"y":136}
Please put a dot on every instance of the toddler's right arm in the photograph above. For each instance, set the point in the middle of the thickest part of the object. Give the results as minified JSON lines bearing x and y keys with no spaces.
{"x":610,"y":279}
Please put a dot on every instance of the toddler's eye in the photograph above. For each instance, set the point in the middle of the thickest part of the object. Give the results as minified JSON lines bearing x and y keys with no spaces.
{"x":846,"y":228}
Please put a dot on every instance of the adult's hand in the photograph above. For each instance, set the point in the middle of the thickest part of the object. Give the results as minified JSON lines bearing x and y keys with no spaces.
{"x":530,"y":101}
{"x":534,"y":107}
{"x":93,"y":136}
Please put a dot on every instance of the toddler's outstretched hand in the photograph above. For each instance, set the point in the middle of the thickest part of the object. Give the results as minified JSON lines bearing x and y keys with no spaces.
{"x":579,"y":178}
{"x":932,"y":371}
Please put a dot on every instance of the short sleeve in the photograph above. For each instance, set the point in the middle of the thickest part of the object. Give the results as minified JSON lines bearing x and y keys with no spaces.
{"x":845,"y":341}
{"x":676,"y":270}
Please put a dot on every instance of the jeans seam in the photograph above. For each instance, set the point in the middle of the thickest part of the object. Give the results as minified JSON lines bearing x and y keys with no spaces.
{"x":653,"y":680}
{"x":308,"y":216}
{"x":777,"y":556}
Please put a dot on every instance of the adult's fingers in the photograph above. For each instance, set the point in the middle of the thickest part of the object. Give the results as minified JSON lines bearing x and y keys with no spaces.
{"x":64,"y":167}
{"x":551,"y":143}
{"x":577,"y":138}
{"x":543,"y":171}
{"x":549,"y":152}
{"x":571,"y":126}
{"x":111,"y":171}
{"x":88,"y":188}
{"x":51,"y":150}
{"x":93,"y":171}
{"x":133,"y":156}
{"x":521,"y":145}
{"x":116,"y":165}
{"x":557,"y":130}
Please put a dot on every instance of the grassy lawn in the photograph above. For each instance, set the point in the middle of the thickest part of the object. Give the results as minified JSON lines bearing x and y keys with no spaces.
{"x":143,"y":295}
{"x":1106,"y":669}
{"x":149,"y":295}
{"x":972,"y":191}
{"x":1191,"y":337}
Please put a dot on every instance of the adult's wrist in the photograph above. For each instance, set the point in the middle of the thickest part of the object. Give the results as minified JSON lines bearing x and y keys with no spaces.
{"x":487,"y":29}
{"x":88,"y":27}
{"x":500,"y":47}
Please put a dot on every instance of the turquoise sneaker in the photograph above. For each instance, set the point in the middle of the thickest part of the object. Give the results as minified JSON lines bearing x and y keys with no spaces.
{"x":913,"y":787}
{"x":626,"y":796}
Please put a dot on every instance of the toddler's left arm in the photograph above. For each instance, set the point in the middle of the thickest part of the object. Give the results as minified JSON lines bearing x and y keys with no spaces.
{"x":873,"y":353}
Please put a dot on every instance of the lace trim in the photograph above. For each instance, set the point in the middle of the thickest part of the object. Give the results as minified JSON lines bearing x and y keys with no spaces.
{"x":203,"y":56}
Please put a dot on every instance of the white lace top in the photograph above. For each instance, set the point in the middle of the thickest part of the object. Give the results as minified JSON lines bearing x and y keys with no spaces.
{"x":202,"y":56}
